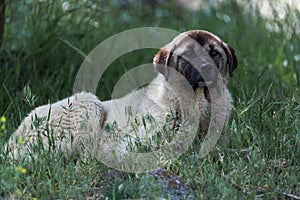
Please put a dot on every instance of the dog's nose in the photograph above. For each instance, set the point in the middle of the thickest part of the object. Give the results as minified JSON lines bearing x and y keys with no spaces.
{"x":206,"y":70}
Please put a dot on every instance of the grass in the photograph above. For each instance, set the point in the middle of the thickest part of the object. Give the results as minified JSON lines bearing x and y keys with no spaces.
{"x":260,"y":157}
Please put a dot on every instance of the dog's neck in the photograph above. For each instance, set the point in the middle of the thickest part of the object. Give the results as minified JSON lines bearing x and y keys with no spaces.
{"x":160,"y":89}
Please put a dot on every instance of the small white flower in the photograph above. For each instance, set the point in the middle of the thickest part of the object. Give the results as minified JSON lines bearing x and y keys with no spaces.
{"x":65,"y":6}
{"x":94,"y":6}
{"x":121,"y":186}
{"x":285,"y":63}
{"x":226,"y":18}
{"x":297,"y":57}
{"x":94,"y":23}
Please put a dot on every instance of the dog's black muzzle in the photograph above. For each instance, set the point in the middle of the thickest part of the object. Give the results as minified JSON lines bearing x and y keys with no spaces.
{"x":201,"y":75}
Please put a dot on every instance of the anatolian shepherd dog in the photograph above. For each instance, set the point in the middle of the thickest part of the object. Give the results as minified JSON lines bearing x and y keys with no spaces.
{"x":188,"y":66}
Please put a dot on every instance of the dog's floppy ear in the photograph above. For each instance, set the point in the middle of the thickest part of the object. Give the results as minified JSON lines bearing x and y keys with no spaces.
{"x":232,"y":59}
{"x":161,"y":62}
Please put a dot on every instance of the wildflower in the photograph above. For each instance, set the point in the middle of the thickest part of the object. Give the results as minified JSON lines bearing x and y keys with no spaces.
{"x":20,"y":169}
{"x":22,"y":140}
{"x":23,"y":170}
{"x":19,"y":192}
{"x":65,"y":6}
{"x":94,"y":23}
{"x":3,"y":119}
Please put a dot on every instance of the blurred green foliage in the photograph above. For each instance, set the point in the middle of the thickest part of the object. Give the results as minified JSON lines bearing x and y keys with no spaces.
{"x":45,"y":43}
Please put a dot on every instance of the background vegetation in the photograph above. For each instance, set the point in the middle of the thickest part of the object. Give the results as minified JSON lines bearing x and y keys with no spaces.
{"x":43,"y":47}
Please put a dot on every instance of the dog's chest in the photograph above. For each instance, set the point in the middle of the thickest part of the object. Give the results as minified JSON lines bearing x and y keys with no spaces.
{"x":137,"y":105}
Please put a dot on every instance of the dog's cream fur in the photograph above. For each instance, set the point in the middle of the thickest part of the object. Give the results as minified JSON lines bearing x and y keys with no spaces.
{"x":79,"y":122}
{"x":65,"y":122}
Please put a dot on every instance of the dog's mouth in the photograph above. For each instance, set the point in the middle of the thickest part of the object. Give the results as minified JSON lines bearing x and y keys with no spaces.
{"x":204,"y":84}
{"x":203,"y":89}
{"x":203,"y":75}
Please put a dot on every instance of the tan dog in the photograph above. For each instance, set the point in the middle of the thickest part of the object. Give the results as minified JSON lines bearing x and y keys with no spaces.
{"x":186,"y":66}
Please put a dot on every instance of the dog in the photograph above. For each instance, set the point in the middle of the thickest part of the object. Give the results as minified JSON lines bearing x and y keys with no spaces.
{"x":187,"y":68}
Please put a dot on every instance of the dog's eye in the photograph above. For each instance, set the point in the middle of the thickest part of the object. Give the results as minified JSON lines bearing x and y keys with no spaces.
{"x":214,"y":53}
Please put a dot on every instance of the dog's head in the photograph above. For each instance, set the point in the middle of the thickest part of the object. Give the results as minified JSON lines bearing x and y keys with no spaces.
{"x":197,"y":55}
